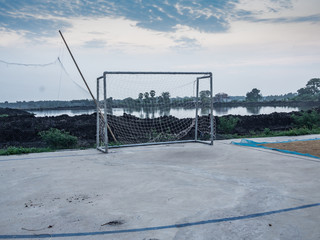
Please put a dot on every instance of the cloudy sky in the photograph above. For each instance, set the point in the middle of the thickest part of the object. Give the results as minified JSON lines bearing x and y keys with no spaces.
{"x":272,"y":45}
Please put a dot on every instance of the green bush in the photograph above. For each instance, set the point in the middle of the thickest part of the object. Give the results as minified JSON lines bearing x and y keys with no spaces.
{"x":21,"y":150}
{"x":58,"y":139}
{"x":267,"y":131}
{"x":227,"y":124}
{"x":308,"y":120}
{"x":252,"y":132}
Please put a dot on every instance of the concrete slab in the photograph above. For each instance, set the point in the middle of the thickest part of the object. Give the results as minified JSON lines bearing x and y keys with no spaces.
{"x":182,"y":191}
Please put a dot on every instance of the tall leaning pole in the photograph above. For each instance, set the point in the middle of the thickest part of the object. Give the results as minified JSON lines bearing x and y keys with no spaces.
{"x":85,"y":82}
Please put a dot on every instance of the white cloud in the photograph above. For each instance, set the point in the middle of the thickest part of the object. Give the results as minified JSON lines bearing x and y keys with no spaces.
{"x":10,"y":37}
{"x":250,"y":52}
{"x":119,"y":34}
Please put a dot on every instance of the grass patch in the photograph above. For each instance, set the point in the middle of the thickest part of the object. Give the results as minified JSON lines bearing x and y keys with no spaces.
{"x":155,"y":136}
{"x":22,"y":150}
{"x":112,"y":144}
{"x":268,"y":133}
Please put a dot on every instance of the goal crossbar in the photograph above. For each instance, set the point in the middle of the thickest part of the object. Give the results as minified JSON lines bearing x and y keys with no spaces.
{"x":161,"y":73}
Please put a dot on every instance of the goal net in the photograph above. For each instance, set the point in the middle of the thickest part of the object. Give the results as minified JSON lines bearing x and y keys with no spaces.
{"x":144,"y":108}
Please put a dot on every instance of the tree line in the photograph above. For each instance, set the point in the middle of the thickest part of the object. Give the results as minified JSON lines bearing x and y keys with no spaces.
{"x":311,"y":92}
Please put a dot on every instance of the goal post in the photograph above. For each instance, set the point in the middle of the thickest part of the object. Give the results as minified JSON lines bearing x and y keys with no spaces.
{"x":149,"y":108}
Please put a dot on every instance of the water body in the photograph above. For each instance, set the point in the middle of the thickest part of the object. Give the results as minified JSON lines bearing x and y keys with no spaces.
{"x":176,"y":112}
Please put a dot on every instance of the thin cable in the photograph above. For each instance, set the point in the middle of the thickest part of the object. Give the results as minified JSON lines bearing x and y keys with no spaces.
{"x":65,"y":71}
{"x":29,"y":64}
{"x":60,"y":79}
{"x":45,"y":65}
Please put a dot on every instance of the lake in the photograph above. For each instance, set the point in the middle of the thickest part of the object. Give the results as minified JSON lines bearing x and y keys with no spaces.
{"x":177,"y":112}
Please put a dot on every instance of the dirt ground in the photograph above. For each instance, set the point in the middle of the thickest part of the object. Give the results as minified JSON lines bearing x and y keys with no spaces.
{"x":310,"y":147}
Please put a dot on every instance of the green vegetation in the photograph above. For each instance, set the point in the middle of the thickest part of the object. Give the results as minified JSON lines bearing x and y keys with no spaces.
{"x":112,"y":144}
{"x":311,"y":91}
{"x":162,"y":136}
{"x":282,"y":97}
{"x":4,"y":115}
{"x":302,"y":131}
{"x":205,"y":98}
{"x":291,"y":132}
{"x":304,"y":123}
{"x":267,"y":131}
{"x":227,"y":124}
{"x":307,"y":120}
{"x":21,"y":150}
{"x":54,"y":138}
{"x":58,"y":139}
{"x":254,"y":95}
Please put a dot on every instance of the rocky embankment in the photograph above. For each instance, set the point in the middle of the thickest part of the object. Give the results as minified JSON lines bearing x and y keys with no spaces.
{"x":20,"y":128}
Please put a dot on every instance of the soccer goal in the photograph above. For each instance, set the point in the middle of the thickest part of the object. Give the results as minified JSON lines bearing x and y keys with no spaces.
{"x":148,"y":108}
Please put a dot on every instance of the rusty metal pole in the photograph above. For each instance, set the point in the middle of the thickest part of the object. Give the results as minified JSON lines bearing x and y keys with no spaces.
{"x":85,"y":82}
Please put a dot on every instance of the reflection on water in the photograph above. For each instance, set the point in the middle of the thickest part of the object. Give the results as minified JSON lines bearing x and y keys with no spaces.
{"x":177,"y":112}
{"x":220,"y":111}
{"x":48,"y":113}
{"x":254,"y":110}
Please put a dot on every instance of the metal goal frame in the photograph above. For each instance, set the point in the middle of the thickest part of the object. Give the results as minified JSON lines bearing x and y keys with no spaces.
{"x":106,"y":147}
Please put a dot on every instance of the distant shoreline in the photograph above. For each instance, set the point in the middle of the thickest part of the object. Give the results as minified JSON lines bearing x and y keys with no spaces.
{"x":216,"y":104}
{"x":270,"y":104}
{"x":59,"y":108}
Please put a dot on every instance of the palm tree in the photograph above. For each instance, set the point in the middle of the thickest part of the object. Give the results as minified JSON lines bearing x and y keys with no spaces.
{"x":146,"y":97}
{"x":166,"y":97}
{"x":152,"y":94}
{"x":140,"y":97}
